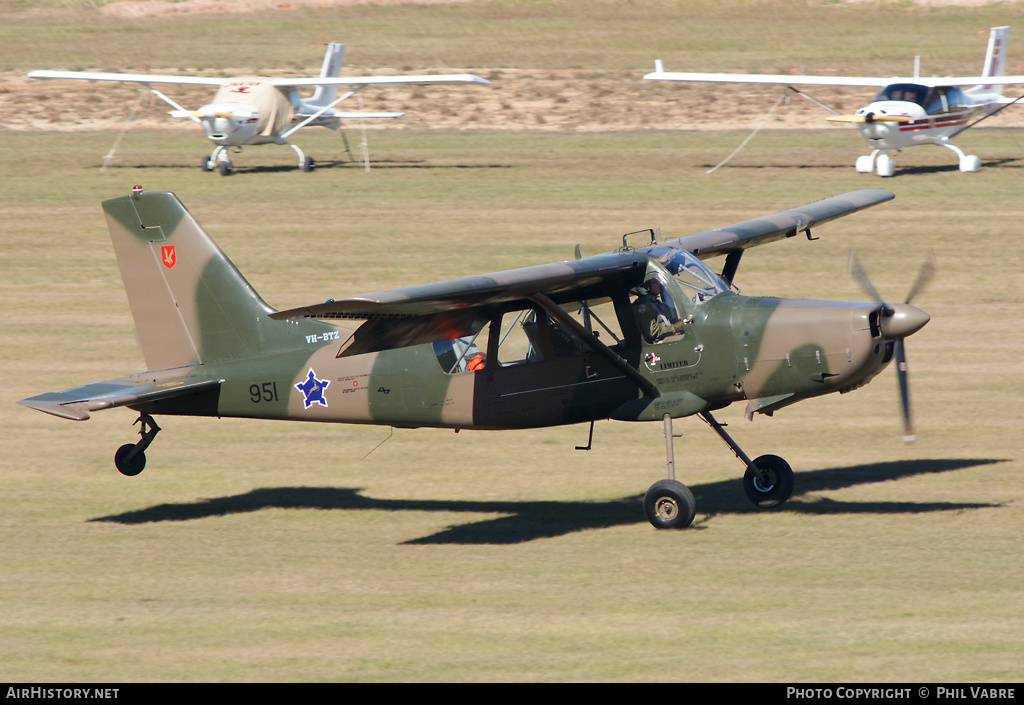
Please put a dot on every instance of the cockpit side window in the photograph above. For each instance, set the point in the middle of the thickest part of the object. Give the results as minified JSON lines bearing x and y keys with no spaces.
{"x":944,"y":99}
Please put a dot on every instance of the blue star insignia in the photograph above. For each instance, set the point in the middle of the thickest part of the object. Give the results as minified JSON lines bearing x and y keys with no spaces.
{"x":313,"y":390}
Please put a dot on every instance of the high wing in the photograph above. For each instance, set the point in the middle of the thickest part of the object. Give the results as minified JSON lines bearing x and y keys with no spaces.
{"x":283,"y":83}
{"x":457,"y":307}
{"x":130,"y":77}
{"x":785,"y":224}
{"x":377,"y":80}
{"x":659,"y":74}
{"x":77,"y":402}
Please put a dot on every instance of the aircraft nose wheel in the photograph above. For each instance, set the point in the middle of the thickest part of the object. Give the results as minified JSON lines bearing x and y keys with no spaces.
{"x":772,"y":486}
{"x":669,"y":504}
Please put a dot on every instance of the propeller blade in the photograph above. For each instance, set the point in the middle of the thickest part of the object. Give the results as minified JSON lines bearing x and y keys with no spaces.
{"x":869,"y":117}
{"x":923,"y":277}
{"x":902,"y":377}
{"x":860,"y":274}
{"x":845,"y":118}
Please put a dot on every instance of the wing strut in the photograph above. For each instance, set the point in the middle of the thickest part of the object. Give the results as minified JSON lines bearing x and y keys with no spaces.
{"x":559,"y":314}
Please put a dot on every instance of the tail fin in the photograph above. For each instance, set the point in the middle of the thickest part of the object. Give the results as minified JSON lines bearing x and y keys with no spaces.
{"x":324,"y":95}
{"x":190,"y":304}
{"x":995,"y":56}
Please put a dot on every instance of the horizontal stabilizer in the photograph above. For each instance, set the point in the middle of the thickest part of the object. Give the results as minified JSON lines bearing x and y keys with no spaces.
{"x":367,"y":115}
{"x":77,"y":402}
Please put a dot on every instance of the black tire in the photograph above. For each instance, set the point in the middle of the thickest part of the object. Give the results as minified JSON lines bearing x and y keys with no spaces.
{"x":132,"y":467}
{"x":308,"y":164}
{"x":774,"y":488}
{"x":205,"y":165}
{"x":224,"y":168}
{"x":669,"y":504}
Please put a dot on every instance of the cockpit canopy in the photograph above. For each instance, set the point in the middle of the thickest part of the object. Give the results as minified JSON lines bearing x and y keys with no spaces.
{"x":695,"y":278}
{"x":936,"y":99}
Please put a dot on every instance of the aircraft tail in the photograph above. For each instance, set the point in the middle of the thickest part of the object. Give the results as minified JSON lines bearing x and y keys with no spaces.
{"x":995,"y":57}
{"x":189,"y":302}
{"x":324,"y":95}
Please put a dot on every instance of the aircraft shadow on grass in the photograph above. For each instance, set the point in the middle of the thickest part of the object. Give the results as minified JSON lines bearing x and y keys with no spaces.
{"x":527,"y":521}
{"x":330,"y":164}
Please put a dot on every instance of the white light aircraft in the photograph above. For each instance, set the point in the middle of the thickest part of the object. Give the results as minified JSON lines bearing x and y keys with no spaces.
{"x":908,"y":111}
{"x":254,"y":110}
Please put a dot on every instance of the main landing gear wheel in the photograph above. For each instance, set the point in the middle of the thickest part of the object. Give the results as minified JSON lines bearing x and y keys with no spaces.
{"x":224,"y":167}
{"x":308,"y":164}
{"x":669,"y":504}
{"x":126,"y":463}
{"x":772,"y":486}
{"x":206,"y":164}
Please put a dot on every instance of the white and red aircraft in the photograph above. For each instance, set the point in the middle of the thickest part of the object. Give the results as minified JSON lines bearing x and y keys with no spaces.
{"x":254,"y":110}
{"x":908,"y":111}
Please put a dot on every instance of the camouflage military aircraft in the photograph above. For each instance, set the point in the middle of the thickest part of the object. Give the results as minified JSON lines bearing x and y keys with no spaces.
{"x":644,"y":333}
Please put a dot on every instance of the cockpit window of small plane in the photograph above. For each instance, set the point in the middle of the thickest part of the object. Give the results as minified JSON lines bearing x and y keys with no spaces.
{"x":655,"y":310}
{"x":944,"y":99}
{"x":908,"y":92}
{"x":697,"y":280}
{"x":466,"y":354}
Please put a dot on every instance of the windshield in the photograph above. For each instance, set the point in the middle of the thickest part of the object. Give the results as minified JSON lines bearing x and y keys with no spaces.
{"x":696,"y":279}
{"x":907,"y":92}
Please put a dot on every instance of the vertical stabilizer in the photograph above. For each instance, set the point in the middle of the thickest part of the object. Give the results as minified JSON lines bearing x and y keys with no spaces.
{"x":189,"y":302}
{"x":995,"y":56}
{"x":324,"y":95}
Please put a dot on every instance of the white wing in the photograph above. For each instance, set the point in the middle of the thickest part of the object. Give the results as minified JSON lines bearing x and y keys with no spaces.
{"x":130,"y":77}
{"x":659,"y":74}
{"x":373,"y":80}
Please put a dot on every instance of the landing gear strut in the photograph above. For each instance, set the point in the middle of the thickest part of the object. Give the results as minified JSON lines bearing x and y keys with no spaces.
{"x":669,"y":504}
{"x":768,"y":481}
{"x":130,"y":459}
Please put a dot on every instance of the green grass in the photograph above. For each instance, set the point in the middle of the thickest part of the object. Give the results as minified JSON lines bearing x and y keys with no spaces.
{"x":260,"y":551}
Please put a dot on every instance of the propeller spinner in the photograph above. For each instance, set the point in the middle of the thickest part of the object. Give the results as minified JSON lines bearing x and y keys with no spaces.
{"x":897,"y":321}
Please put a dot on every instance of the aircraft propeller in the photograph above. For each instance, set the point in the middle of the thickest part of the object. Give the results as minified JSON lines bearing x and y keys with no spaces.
{"x":897,"y":321}
{"x":868,"y":117}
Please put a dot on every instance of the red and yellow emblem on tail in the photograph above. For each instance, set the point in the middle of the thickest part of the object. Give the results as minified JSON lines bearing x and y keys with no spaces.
{"x":169,"y":258}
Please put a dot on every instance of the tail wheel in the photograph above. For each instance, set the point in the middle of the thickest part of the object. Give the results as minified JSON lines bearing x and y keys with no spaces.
{"x":129,"y":466}
{"x":669,"y":504}
{"x":772,"y":486}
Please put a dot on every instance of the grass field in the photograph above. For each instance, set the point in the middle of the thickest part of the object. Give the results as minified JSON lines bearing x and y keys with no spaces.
{"x":257,"y":551}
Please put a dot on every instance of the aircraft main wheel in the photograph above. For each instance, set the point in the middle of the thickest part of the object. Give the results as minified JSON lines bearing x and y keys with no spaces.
{"x":970,"y":163}
{"x":885,"y":165}
{"x":775,"y":485}
{"x":308,"y":164}
{"x":224,"y":167}
{"x":132,"y":467}
{"x":206,"y":164}
{"x":865,"y":164}
{"x":669,"y":504}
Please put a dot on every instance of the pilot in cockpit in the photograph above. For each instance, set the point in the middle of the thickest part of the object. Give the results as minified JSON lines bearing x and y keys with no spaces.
{"x":654,"y":313}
